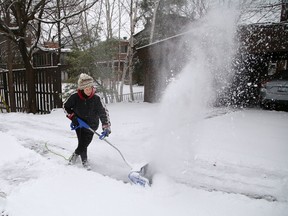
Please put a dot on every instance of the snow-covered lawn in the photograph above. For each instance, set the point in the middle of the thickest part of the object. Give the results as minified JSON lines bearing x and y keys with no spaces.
{"x":230,"y":162}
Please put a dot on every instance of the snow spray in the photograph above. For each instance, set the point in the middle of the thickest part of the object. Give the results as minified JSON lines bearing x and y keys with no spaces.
{"x":192,"y":93}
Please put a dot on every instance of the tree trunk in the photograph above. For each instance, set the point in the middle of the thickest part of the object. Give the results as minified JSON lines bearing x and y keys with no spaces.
{"x":59,"y":33}
{"x":30,"y":103}
{"x":123,"y":77}
{"x":133,"y":18}
{"x":154,"y":21}
{"x":109,"y":15}
{"x":10,"y":72}
{"x":131,"y":69}
{"x":10,"y":78}
{"x":119,"y":54}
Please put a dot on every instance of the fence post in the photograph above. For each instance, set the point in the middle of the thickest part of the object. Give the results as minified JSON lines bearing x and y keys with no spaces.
{"x":6,"y":98}
{"x":12,"y":102}
{"x":31,"y":106}
{"x":58,"y":88}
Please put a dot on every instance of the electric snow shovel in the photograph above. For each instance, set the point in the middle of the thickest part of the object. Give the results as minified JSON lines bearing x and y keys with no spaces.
{"x":136,"y":170}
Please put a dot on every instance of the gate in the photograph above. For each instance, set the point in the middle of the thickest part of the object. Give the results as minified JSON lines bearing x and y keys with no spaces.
{"x":47,"y":88}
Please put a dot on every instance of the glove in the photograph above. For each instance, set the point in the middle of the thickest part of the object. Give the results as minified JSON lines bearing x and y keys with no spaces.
{"x":106,"y":131}
{"x":74,"y":121}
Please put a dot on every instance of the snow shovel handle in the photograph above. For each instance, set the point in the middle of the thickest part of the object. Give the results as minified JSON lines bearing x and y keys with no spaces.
{"x":134,"y":176}
{"x":83,"y":124}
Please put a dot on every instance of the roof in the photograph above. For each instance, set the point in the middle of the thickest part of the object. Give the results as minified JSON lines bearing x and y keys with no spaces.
{"x":46,"y":49}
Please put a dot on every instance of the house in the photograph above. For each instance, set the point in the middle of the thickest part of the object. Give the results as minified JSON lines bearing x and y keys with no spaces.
{"x":47,"y":56}
{"x":117,"y":62}
{"x":263,"y":50}
{"x":264,"y":47}
{"x":168,"y":26}
{"x":46,"y":78}
{"x":156,"y":64}
{"x":268,"y":42}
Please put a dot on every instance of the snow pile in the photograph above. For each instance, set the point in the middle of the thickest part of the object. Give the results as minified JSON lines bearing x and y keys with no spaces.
{"x":188,"y":99}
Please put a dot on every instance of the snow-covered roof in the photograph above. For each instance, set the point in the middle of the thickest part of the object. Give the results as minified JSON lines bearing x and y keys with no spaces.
{"x":46,"y":49}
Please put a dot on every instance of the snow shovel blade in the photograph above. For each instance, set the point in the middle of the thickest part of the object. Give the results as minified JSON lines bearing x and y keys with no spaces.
{"x":136,"y":178}
{"x":147,"y":172}
{"x":139,"y":175}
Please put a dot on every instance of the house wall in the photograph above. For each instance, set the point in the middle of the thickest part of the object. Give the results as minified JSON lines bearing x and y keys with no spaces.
{"x":161,"y":62}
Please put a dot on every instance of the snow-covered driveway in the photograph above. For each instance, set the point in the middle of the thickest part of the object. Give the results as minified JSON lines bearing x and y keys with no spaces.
{"x":230,"y":157}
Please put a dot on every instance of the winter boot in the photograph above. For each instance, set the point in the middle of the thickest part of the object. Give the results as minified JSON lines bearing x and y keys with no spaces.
{"x":86,"y":165}
{"x":73,"y":158}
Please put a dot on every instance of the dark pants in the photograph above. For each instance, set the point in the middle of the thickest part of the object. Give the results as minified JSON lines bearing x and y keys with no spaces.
{"x":85,"y":137}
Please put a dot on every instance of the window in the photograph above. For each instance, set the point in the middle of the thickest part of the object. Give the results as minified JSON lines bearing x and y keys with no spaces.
{"x":42,"y":59}
{"x":281,"y":65}
{"x":272,"y":68}
{"x":124,"y":49}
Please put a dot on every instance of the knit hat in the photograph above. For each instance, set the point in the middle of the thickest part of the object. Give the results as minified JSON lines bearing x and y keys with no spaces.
{"x":85,"y":81}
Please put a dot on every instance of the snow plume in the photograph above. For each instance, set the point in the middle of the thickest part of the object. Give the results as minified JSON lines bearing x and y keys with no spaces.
{"x":189,"y":97}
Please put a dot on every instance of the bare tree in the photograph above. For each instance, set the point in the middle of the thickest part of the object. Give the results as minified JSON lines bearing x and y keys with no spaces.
{"x":27,"y":18}
{"x":128,"y":67}
{"x":257,"y":11}
{"x":23,"y":14}
{"x":61,"y":13}
{"x":9,"y":45}
{"x":110,"y":6}
{"x":154,"y":20}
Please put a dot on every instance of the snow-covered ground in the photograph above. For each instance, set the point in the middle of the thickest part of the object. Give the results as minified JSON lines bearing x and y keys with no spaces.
{"x":231,"y":162}
{"x":204,"y":161}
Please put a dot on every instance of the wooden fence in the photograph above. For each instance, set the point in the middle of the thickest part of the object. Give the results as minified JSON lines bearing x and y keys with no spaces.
{"x":137,"y":96}
{"x":47,"y":88}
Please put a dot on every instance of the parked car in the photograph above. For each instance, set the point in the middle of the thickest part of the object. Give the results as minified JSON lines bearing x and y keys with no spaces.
{"x":274,"y":91}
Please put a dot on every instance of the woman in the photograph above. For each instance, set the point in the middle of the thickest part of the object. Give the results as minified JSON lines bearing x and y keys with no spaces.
{"x":88,"y":106}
